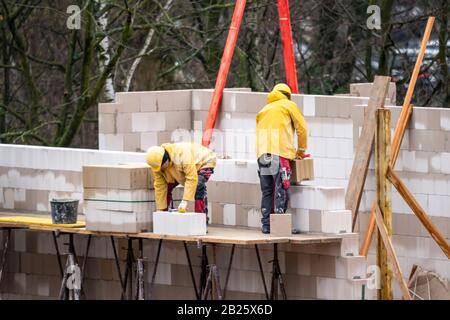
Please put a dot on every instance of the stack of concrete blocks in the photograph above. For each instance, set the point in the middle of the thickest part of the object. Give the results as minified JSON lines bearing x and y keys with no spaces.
{"x":118,"y":198}
{"x":234,"y":195}
{"x":139,"y":120}
{"x":31,"y":176}
{"x":424,"y":166}
{"x":179,"y":224}
{"x":320,"y":209}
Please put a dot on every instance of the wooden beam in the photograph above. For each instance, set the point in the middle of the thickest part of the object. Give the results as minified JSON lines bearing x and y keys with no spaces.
{"x":391,"y":253}
{"x":384,"y":202}
{"x":418,"y":211}
{"x":364,"y":148}
{"x":401,"y":124}
{"x":369,"y":233}
{"x":406,"y":109}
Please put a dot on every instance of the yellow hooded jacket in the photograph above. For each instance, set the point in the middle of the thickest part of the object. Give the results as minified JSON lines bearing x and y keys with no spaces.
{"x":275,"y":125}
{"x":186,"y":159}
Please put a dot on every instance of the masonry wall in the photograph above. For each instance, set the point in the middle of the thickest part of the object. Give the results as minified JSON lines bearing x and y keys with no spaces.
{"x":334,"y":126}
{"x":323,"y":271}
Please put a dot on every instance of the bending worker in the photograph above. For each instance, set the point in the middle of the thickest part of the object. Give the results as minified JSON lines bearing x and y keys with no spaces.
{"x":275,"y":126}
{"x":188,"y":164}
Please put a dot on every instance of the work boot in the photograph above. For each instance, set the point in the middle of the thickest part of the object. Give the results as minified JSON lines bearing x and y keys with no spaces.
{"x":265,"y":229}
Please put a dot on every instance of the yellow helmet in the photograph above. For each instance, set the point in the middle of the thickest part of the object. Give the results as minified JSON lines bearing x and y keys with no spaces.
{"x":283,"y":88}
{"x":154,"y":157}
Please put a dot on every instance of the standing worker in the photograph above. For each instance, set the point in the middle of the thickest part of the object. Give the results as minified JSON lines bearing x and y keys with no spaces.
{"x":275,"y":125}
{"x":188,"y":164}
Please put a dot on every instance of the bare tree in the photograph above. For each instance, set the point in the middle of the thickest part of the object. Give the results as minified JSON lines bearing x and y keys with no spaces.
{"x":52,"y":78}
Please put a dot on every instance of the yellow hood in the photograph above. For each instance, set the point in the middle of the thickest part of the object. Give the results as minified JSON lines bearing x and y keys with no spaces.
{"x":275,"y":95}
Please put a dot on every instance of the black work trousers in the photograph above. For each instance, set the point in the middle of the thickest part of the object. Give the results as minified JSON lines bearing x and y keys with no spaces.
{"x":275,"y":196}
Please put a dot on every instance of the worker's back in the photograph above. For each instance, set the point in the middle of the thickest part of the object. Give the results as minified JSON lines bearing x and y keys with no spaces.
{"x":275,"y":126}
{"x":187,"y":153}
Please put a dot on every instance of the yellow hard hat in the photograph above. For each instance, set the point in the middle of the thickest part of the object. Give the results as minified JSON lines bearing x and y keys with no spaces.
{"x":154,"y":157}
{"x":283,"y":88}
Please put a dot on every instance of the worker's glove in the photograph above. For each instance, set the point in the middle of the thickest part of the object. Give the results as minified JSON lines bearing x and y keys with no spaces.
{"x":183,"y":206}
{"x":300,"y":154}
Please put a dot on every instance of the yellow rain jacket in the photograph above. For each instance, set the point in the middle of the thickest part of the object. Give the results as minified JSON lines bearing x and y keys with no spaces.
{"x":186,"y":159}
{"x":275,"y":125}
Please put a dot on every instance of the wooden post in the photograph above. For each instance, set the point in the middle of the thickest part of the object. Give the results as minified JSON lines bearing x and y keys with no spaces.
{"x":382,"y":159}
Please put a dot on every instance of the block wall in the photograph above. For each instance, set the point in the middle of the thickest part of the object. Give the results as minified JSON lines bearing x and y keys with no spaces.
{"x":234,"y":200}
{"x":334,"y":127}
{"x":311,"y":271}
{"x":334,"y":124}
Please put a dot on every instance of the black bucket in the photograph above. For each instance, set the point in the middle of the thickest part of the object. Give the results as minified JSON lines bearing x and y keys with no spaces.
{"x":64,"y":211}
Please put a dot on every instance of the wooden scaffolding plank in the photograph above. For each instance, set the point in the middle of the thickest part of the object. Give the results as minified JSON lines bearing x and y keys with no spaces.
{"x":216,"y":234}
{"x":364,"y":148}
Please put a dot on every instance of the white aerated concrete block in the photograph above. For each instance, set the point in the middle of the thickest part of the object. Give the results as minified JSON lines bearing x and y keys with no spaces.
{"x":229,"y":214}
{"x":343,"y":128}
{"x":309,"y":106}
{"x":112,"y":142}
{"x":236,"y":170}
{"x":349,"y":244}
{"x":148,"y":121}
{"x":254,"y":218}
{"x":338,"y":221}
{"x":333,"y":221}
{"x":445,"y":120}
{"x":351,"y":267}
{"x":317,"y":198}
{"x":300,"y":220}
{"x":180,"y":224}
{"x":445,"y":162}
{"x":339,"y":289}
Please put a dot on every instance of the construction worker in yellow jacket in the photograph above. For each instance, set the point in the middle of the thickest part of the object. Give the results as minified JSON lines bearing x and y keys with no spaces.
{"x":276,"y":124}
{"x":188,"y":164}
